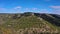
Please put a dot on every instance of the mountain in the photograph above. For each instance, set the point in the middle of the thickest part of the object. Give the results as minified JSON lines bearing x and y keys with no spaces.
{"x":29,"y":23}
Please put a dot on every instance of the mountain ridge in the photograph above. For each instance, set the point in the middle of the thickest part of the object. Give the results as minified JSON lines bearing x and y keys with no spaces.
{"x":48,"y":23}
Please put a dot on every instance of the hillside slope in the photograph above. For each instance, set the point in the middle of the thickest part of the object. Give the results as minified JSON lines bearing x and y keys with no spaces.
{"x":29,"y":23}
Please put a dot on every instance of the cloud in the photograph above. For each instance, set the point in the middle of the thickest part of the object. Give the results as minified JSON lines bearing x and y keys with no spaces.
{"x":56,"y":11}
{"x":30,"y":9}
{"x":17,"y":7}
{"x":55,"y":7}
{"x":53,"y":11}
{"x":34,"y":8}
{"x":27,"y":9}
{"x":44,"y":11}
{"x":2,"y":8}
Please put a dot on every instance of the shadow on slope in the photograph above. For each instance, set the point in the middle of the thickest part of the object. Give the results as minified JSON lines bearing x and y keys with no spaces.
{"x":49,"y":19}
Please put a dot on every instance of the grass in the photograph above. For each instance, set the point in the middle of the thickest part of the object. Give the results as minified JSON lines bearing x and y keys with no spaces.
{"x":26,"y":22}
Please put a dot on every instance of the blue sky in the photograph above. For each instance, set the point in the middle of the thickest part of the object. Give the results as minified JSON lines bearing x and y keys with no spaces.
{"x":20,"y":6}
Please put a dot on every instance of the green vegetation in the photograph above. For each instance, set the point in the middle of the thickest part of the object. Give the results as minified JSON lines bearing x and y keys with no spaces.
{"x":27,"y":23}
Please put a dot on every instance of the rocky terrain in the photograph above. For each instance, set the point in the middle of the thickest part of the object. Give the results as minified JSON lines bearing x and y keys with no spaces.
{"x":29,"y":23}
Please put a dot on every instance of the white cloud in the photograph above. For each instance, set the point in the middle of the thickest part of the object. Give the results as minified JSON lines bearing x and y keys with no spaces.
{"x":55,"y":7}
{"x":18,"y":7}
{"x":44,"y":11}
{"x":2,"y":8}
{"x":34,"y":8}
{"x":56,"y":11}
{"x":27,"y":8}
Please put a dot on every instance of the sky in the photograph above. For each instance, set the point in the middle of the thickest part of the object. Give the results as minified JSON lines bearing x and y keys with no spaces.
{"x":38,"y":6}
